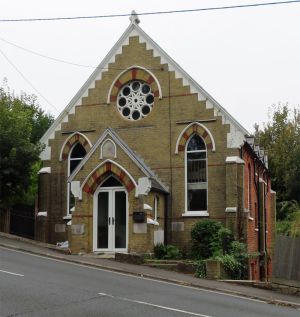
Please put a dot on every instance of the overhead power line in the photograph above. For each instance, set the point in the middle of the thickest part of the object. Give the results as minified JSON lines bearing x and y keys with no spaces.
{"x":44,"y":56}
{"x":26,"y":79}
{"x":61,"y":60}
{"x":250,"y":5}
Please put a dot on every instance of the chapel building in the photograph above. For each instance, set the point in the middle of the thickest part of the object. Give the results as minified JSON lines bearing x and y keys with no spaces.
{"x":142,"y":153}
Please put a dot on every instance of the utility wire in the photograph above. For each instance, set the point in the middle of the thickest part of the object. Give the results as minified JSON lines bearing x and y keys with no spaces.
{"x":26,"y":79}
{"x":44,"y":56}
{"x":61,"y":60}
{"x":250,"y":5}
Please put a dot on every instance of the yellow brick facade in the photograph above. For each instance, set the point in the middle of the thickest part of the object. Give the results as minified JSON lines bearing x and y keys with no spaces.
{"x":155,"y":139}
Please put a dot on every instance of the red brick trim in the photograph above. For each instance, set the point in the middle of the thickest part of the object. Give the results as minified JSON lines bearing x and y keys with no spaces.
{"x":195,"y":129}
{"x":132,"y":74}
{"x":102,"y":173}
{"x":75,"y":138}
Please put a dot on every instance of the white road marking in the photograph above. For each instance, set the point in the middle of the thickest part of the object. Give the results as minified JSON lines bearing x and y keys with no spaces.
{"x":17,"y":274}
{"x":155,"y":305}
{"x":199,"y":289}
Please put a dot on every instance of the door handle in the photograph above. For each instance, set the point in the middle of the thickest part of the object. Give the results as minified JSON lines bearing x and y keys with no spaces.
{"x":113,"y":221}
{"x":108,"y":220}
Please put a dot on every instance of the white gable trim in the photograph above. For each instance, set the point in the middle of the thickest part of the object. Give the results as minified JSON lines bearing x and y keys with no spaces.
{"x":200,"y":125}
{"x":98,"y":166}
{"x":126,"y":70}
{"x":236,"y":129}
{"x":187,"y":79}
{"x":83,"y":91}
{"x":66,"y":141}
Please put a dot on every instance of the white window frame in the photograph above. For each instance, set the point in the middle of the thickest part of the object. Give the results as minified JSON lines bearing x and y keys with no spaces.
{"x":69,"y":214}
{"x":192,"y":213}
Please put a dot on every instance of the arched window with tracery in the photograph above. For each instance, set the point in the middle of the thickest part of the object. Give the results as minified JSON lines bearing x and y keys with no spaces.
{"x":196,"y":175}
{"x":76,"y":155}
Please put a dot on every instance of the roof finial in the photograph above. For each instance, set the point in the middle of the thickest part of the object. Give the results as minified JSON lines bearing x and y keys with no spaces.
{"x":134,"y":18}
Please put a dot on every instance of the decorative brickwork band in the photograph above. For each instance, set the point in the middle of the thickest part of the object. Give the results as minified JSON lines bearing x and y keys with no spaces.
{"x":130,"y":74}
{"x":101,"y":173}
{"x":191,"y":129}
{"x":76,"y":137}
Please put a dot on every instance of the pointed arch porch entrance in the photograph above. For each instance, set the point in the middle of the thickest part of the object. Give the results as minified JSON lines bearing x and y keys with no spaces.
{"x":110,"y":218}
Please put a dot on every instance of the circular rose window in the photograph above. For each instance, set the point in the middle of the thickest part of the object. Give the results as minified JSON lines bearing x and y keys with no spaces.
{"x":135,"y":100}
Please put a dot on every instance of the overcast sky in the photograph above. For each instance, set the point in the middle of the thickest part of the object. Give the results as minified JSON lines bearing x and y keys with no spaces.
{"x":247,"y":59}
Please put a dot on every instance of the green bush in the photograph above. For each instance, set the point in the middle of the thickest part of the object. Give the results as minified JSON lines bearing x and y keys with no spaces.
{"x":159,"y":251}
{"x":204,"y":238}
{"x":166,"y":252}
{"x":200,"y":269}
{"x":285,"y":209}
{"x":295,"y":224}
{"x":239,"y":251}
{"x":211,"y":240}
{"x":289,"y":227}
{"x":231,"y":265}
{"x":283,"y":227}
{"x":225,"y":237}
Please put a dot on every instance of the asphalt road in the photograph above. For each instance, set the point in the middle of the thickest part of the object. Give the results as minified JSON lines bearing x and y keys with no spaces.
{"x":32,"y":285}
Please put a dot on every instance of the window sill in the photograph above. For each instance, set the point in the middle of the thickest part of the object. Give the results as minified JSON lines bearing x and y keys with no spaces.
{"x":195,"y":214}
{"x":250,"y":218}
{"x":67,"y":217}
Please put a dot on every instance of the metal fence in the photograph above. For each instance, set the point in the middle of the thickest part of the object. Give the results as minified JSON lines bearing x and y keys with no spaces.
{"x":286,"y":261}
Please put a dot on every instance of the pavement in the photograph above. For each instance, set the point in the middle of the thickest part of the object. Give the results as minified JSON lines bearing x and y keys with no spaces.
{"x":48,"y":250}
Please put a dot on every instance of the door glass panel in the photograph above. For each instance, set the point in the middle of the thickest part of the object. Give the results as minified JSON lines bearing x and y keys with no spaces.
{"x":102,"y":239}
{"x":120,"y":219}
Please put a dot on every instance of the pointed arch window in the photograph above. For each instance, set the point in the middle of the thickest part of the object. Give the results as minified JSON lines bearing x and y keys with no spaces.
{"x":196,"y":176}
{"x":76,"y":155}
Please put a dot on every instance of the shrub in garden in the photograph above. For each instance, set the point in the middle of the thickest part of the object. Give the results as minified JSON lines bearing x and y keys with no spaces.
{"x":200,"y":269}
{"x":159,"y":251}
{"x":225,"y":238}
{"x":204,"y":238}
{"x":231,"y":265}
{"x":211,"y":240}
{"x":172,"y":252}
{"x":239,"y":251}
{"x":166,"y":252}
{"x":235,"y":261}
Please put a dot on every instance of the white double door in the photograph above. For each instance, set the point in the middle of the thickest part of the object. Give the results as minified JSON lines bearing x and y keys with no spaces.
{"x":110,"y":220}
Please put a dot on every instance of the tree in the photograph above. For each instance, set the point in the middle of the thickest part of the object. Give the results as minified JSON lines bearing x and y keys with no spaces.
{"x":281,"y":138}
{"x":22,"y":123}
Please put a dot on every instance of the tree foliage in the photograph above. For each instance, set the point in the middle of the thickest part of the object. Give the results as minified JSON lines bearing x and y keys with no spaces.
{"x":281,"y":138}
{"x":22,"y":123}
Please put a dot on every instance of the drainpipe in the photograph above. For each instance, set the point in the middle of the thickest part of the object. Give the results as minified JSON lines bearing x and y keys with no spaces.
{"x":166,"y":239}
{"x":256,"y":169}
{"x":265,"y":233}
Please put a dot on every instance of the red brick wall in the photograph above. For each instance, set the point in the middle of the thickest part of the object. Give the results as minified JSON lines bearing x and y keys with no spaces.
{"x":252,"y":172}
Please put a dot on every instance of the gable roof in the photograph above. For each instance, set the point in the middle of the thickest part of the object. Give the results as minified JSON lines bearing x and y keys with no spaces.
{"x":109,"y":132}
{"x":235,"y":137}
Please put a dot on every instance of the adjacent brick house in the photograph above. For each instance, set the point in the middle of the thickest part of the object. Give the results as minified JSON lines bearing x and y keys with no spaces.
{"x":141,"y":153}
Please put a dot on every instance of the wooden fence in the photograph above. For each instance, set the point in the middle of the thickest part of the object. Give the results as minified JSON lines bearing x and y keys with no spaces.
{"x":286,"y":261}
